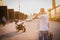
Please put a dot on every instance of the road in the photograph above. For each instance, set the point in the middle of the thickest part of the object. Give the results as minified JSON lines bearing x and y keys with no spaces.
{"x":8,"y":32}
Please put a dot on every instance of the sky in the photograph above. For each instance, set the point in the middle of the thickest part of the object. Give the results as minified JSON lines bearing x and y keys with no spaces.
{"x":29,"y":6}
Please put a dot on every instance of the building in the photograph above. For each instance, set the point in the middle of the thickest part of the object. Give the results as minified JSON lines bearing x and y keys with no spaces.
{"x":17,"y":14}
{"x":3,"y":10}
{"x":11,"y":14}
{"x":55,"y":13}
{"x":23,"y":16}
{"x":20,"y":15}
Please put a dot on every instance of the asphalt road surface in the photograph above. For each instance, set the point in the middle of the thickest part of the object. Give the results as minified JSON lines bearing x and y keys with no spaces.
{"x":8,"y":32}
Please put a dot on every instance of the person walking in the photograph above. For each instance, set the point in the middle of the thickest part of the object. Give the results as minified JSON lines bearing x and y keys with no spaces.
{"x":3,"y":20}
{"x":43,"y":25}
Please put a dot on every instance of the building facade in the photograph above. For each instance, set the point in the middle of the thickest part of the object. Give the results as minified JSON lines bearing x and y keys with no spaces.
{"x":11,"y":14}
{"x":54,"y":14}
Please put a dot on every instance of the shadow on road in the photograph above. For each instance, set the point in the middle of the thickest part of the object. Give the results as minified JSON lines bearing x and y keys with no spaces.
{"x":9,"y":35}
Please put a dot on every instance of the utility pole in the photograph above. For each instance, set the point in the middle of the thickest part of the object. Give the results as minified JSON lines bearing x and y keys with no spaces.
{"x":53,"y":3}
{"x":19,"y":5}
{"x":0,"y":0}
{"x":19,"y":8}
{"x":54,"y":6}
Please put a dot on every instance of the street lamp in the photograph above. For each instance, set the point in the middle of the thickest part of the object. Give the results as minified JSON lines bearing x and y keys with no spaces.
{"x":19,"y":5}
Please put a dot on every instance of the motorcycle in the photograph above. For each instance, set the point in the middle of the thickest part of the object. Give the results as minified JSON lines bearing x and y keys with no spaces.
{"x":20,"y":27}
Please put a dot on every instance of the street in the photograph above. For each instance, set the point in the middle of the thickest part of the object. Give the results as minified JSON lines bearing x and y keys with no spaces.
{"x":8,"y":32}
